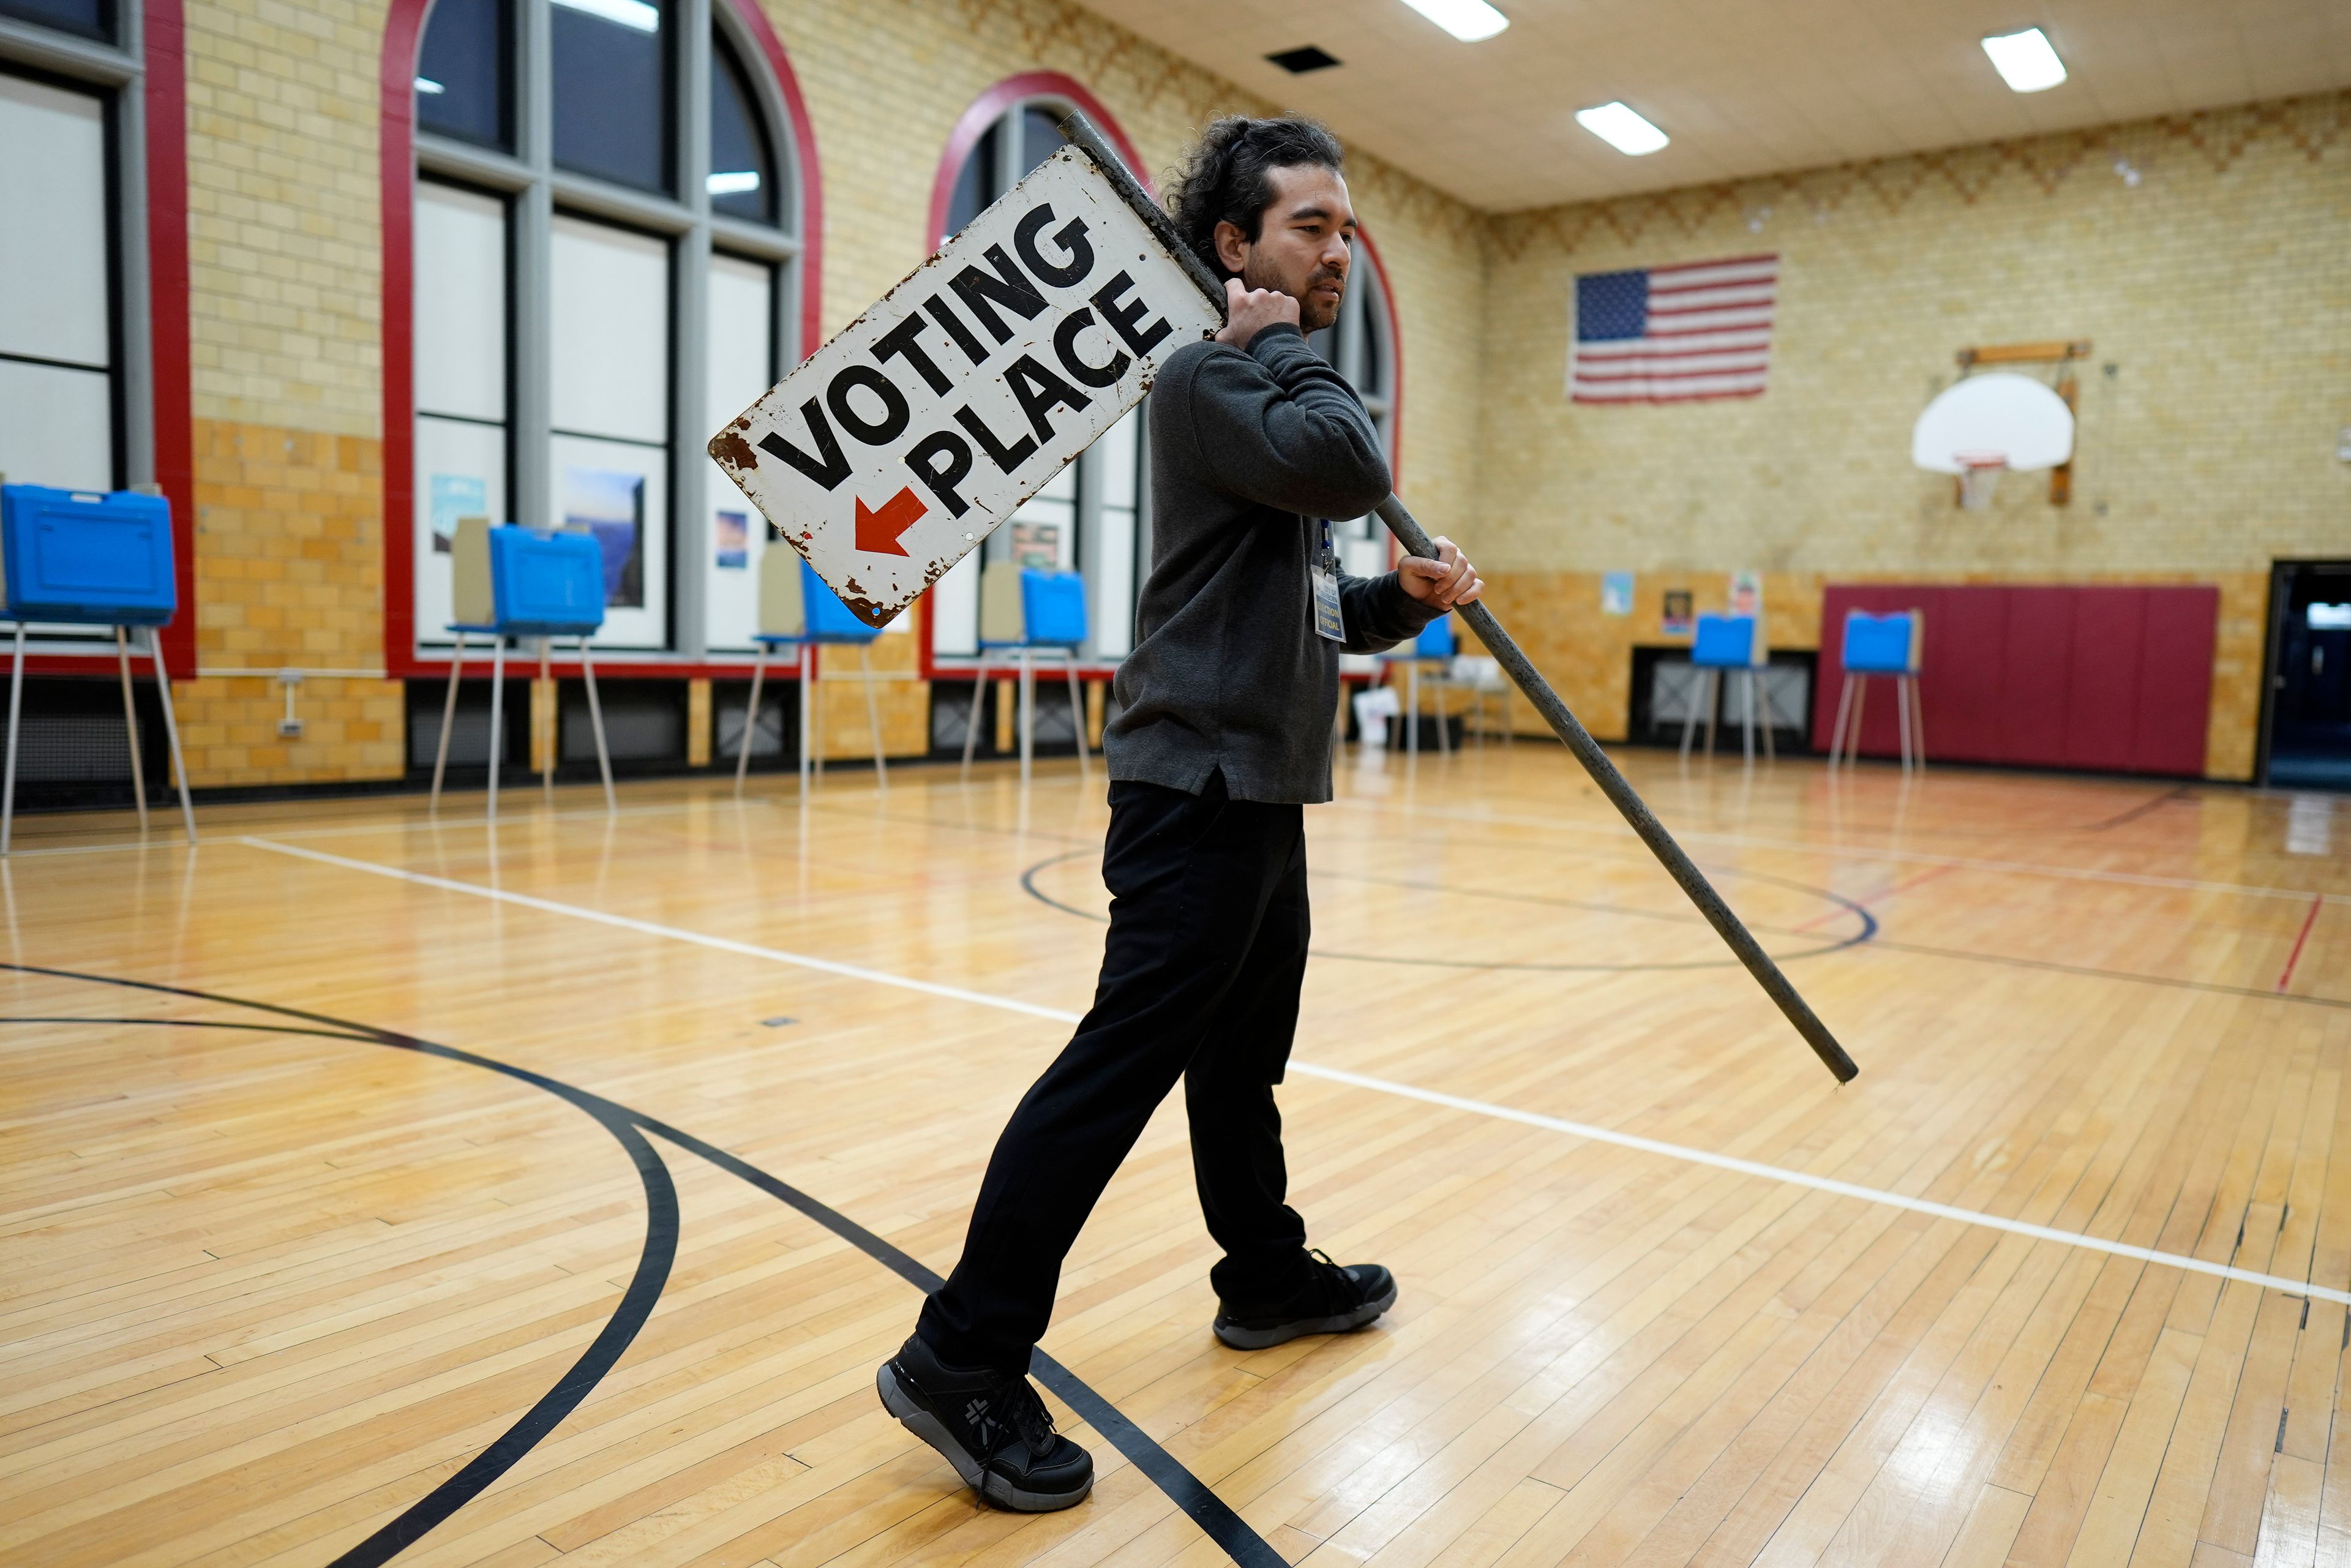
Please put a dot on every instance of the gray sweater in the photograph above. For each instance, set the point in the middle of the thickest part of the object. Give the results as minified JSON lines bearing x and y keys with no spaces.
{"x":1249,"y":450}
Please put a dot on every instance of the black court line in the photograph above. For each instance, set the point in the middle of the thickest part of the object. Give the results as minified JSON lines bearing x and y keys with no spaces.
{"x":1191,"y":1495}
{"x":1869,"y":931}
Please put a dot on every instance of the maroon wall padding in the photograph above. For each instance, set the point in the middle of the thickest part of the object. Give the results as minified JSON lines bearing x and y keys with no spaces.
{"x":2112,"y":679}
{"x":2102,"y":701}
{"x":2176,"y":658}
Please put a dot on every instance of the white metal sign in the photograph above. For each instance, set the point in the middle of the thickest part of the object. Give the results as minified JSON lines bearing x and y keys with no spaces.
{"x":890,"y":453}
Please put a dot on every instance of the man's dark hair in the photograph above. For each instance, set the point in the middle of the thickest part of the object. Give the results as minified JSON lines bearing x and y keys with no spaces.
{"x":1227,"y":177}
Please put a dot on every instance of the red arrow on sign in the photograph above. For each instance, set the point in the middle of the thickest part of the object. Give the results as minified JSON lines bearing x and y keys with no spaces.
{"x":878,"y":531}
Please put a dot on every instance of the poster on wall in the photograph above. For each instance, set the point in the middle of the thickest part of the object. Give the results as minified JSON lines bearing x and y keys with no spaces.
{"x":1037,"y":544}
{"x":1616,"y":593}
{"x":1747,"y":593}
{"x":1676,"y":622}
{"x":733,"y":537}
{"x":610,"y":503}
{"x":455,"y":495}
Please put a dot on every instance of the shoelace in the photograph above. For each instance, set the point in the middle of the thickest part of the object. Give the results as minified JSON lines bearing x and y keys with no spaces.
{"x":1338,"y":1285}
{"x":1027,"y":1415}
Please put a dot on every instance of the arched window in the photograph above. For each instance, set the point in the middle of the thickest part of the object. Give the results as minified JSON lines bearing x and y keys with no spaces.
{"x":1361,"y":344}
{"x":596,"y":292}
{"x":1093,"y":516}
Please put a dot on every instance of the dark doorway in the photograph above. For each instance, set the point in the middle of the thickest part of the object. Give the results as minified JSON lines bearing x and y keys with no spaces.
{"x":2306,"y":695}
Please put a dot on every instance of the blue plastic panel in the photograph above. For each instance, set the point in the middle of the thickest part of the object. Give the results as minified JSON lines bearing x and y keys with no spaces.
{"x":1724,"y":643}
{"x":1053,"y":608}
{"x":1877,"y":645}
{"x":1436,"y":640}
{"x":546,"y":585}
{"x":828,"y":619}
{"x":77,"y":555}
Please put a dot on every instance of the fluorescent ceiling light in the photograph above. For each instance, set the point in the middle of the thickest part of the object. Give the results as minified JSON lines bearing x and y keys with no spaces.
{"x":427,"y":86}
{"x":633,"y":14}
{"x":734,"y":183}
{"x":1622,"y":129}
{"x":2329,"y":617}
{"x":2025,"y":61}
{"x":1467,"y":20}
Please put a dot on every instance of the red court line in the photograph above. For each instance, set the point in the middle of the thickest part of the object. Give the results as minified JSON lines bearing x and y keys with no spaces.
{"x":2294,"y":957}
{"x":1872,"y":898}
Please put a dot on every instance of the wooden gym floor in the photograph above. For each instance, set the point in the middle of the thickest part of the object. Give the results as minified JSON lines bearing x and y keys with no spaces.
{"x":551,"y":1195}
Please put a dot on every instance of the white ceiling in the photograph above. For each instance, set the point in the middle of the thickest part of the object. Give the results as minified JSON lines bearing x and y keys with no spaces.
{"x":1743,"y":87}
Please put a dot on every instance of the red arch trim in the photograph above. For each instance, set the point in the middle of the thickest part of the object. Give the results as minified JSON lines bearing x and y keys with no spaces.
{"x":989,"y":107}
{"x":983,"y":112}
{"x":404,"y":32}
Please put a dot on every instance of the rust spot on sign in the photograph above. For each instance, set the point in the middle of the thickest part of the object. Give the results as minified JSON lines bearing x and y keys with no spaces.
{"x":731,"y":452}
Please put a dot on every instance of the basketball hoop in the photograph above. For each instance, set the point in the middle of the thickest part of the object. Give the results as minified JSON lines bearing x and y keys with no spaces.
{"x":1978,"y":473}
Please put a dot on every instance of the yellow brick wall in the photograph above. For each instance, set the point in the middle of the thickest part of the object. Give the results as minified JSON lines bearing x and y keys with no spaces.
{"x":285,"y":280}
{"x":2215,"y":289}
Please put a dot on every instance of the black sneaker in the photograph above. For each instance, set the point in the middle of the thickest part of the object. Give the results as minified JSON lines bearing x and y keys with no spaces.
{"x":992,"y":1428}
{"x":1337,"y":1299}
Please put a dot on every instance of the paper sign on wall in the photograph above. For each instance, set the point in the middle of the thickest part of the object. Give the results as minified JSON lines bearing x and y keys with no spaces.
{"x":892,"y":450}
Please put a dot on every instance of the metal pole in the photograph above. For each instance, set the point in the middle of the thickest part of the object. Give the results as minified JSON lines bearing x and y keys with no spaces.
{"x":171,"y":727}
{"x":15,"y":713}
{"x":596,"y":718}
{"x":448,"y":721}
{"x":750,"y":719}
{"x":1506,"y":652}
{"x":497,"y":714}
{"x":130,"y":726}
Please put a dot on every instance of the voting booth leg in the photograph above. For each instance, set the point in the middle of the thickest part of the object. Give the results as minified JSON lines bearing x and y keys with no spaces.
{"x":1078,"y":714}
{"x":1027,"y":713}
{"x":448,"y":721}
{"x":596,"y":723}
{"x":1412,"y":701}
{"x":1902,"y":719}
{"x":971,"y":724}
{"x":498,"y":716}
{"x":806,"y":659}
{"x":172,"y":728}
{"x":1852,"y":738}
{"x":1917,"y":722}
{"x":874,"y":720}
{"x":1759,"y":699}
{"x":1690,"y":714}
{"x":1713,"y":709}
{"x":130,"y":726}
{"x":1836,"y":731}
{"x":750,"y":719}
{"x":15,"y":712}
{"x":547,"y":763}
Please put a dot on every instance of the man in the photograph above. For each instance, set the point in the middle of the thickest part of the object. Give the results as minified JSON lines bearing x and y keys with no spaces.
{"x":1224,"y":733}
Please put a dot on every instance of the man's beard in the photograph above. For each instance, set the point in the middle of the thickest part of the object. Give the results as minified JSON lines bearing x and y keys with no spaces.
{"x":1313,"y":315}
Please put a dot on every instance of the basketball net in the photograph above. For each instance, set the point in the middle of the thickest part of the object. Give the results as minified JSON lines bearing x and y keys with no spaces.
{"x":1979,"y":474}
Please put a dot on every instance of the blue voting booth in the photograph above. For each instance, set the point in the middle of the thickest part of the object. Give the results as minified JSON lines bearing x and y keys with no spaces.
{"x":1028,"y":612}
{"x":1732,"y":643}
{"x":512,"y":581}
{"x":1434,"y":644}
{"x":1892,"y":644}
{"x":79,"y":558}
{"x":796,"y":610}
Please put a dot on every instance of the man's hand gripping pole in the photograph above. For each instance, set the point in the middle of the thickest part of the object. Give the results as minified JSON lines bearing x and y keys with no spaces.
{"x":1082,"y":132}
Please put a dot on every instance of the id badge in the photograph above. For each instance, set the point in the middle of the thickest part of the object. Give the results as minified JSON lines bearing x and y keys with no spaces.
{"x":1324,"y":576}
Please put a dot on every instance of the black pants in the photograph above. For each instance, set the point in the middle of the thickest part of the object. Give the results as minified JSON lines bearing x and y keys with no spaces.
{"x":1200,"y":980}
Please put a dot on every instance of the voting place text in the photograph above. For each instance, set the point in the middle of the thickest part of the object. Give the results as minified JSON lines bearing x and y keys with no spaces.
{"x":892,"y":450}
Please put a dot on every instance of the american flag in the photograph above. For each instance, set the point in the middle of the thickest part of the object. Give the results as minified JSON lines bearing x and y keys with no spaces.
{"x":1674,"y":334}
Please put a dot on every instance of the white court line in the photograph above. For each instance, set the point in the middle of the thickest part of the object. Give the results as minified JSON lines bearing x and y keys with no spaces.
{"x":1356,"y":1080}
{"x":392,"y":824}
{"x":1835,"y":852}
{"x":676,"y":933}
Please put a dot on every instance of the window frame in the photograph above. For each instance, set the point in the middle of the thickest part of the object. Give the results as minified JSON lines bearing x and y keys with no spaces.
{"x":537,"y":191}
{"x":140,"y":76}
